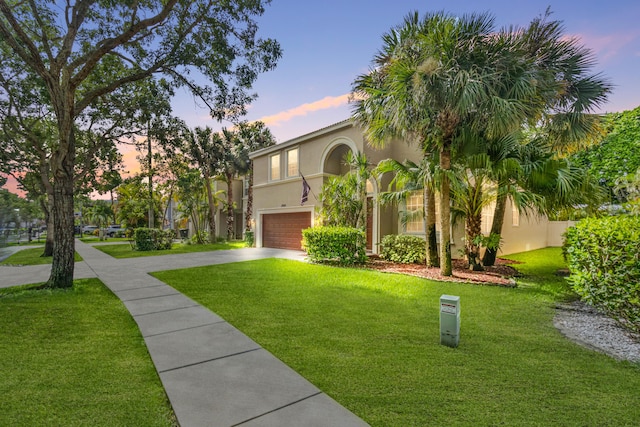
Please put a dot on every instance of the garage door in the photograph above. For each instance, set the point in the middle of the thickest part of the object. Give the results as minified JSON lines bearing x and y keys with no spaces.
{"x":284,"y":230}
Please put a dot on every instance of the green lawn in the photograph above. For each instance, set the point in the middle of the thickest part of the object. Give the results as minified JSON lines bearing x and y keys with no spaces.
{"x":371,"y":341}
{"x":31,"y":256}
{"x":125,"y":251}
{"x":88,"y":238}
{"x":75,"y":358}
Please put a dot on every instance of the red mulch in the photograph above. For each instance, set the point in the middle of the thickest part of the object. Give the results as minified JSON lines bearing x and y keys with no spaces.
{"x":501,"y":274}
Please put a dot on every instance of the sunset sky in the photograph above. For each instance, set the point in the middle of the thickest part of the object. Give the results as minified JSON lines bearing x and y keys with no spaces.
{"x":327,"y":44}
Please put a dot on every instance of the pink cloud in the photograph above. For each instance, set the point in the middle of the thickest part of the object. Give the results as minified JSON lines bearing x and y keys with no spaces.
{"x":304,"y":109}
{"x":611,"y":45}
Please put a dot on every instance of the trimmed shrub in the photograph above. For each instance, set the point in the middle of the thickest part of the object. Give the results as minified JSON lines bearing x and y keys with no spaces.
{"x":249,"y":238}
{"x":341,"y":245}
{"x":603,"y":255}
{"x":403,"y":248}
{"x":150,"y":239}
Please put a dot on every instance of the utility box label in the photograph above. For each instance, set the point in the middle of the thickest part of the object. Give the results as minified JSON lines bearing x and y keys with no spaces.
{"x":448,"y":308}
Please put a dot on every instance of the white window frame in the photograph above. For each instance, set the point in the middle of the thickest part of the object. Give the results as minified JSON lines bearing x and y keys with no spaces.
{"x":278,"y":176}
{"x":290,"y":174}
{"x":415,"y":226}
{"x":515,"y":216}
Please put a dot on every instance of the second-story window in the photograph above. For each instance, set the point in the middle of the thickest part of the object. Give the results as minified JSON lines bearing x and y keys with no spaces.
{"x":274,"y":167}
{"x":292,"y":162}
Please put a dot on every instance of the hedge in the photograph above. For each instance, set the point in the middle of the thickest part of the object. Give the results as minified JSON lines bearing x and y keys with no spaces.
{"x":341,"y":245}
{"x":150,"y":239}
{"x":403,"y":248}
{"x":603,"y":255}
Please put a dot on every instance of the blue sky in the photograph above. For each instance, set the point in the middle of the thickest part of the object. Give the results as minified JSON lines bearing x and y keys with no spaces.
{"x":327,"y":44}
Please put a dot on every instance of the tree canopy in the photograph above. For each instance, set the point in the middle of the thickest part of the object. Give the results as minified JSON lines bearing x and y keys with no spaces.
{"x":86,"y":50}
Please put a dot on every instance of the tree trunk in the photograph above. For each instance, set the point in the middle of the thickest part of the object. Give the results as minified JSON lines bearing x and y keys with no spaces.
{"x":473,"y":225}
{"x":230,"y":213}
{"x":496,"y":228}
{"x":212,"y":209}
{"x":62,"y":170}
{"x":249,"y":213}
{"x":445,"y":212}
{"x":473,"y":228}
{"x":48,"y":216}
{"x":430,"y":226}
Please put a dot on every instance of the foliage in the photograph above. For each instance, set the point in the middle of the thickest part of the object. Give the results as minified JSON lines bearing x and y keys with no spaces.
{"x":493,"y":241}
{"x":153,"y":239}
{"x":192,"y":203}
{"x":618,"y":154}
{"x":340,"y":205}
{"x":249,"y":238}
{"x":341,"y":245}
{"x":604,"y":259}
{"x":408,"y":177}
{"x":74,"y":358}
{"x":224,"y":156}
{"x":86,"y":52}
{"x":629,"y":185}
{"x":403,"y":248}
{"x":512,"y":366}
{"x":343,"y":198}
{"x":441,"y":80}
{"x":133,"y":203}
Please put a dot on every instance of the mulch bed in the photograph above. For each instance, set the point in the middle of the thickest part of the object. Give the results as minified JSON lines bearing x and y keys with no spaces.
{"x":501,"y":274}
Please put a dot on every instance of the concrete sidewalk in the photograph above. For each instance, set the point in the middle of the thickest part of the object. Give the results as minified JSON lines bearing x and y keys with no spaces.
{"x":213,"y":374}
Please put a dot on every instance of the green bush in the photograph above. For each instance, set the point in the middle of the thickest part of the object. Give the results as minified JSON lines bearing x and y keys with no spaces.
{"x":150,"y":239}
{"x":249,"y":238}
{"x":341,"y":245}
{"x":403,"y":248}
{"x":603,"y":255}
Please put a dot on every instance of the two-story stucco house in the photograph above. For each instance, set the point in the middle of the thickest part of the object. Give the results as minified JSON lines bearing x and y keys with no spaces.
{"x":279,"y":216}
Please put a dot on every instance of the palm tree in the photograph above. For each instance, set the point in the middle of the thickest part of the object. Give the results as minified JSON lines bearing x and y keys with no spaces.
{"x":343,"y":199}
{"x":255,"y":136}
{"x":433,"y":77}
{"x":202,"y":148}
{"x":410,"y":177}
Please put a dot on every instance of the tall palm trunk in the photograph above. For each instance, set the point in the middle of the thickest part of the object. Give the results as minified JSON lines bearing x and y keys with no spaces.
{"x":230,"y":213}
{"x":445,"y":210}
{"x":429,"y":199}
{"x":490,"y":254}
{"x":473,"y":225}
{"x":249,"y":212}
{"x":212,"y":208}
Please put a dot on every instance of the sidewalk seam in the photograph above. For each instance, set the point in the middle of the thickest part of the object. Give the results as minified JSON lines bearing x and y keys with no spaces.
{"x":210,"y":360}
{"x":155,"y":296}
{"x":185,"y":329}
{"x":277,"y":409}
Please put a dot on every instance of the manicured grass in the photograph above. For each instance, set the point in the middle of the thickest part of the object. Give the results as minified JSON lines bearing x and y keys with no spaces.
{"x":125,"y":251}
{"x":371,"y":341}
{"x":539,"y":273}
{"x":32,"y":256}
{"x":96,"y":239}
{"x":75,"y":358}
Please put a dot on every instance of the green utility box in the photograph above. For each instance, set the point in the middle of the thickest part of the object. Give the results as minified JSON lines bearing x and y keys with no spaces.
{"x":449,"y":320}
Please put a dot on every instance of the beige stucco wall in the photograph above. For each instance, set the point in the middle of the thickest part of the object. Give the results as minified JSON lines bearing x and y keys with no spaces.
{"x":315,"y":152}
{"x":555,"y":231}
{"x":531,"y":233}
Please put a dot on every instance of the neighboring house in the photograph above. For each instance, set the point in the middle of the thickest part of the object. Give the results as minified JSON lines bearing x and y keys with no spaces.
{"x":280,"y":218}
